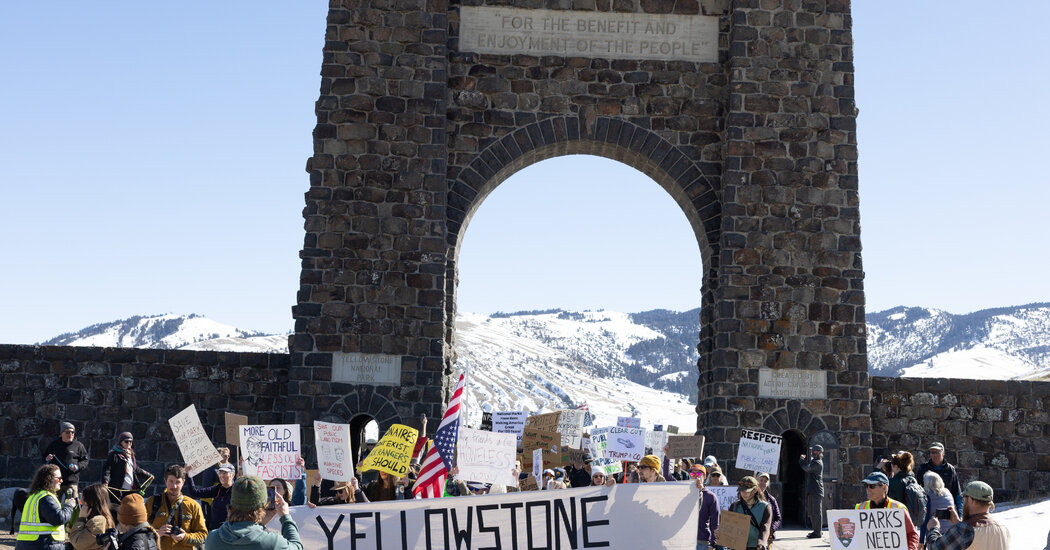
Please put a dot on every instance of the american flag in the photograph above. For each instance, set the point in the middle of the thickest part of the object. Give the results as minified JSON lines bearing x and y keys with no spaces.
{"x":438,"y":462}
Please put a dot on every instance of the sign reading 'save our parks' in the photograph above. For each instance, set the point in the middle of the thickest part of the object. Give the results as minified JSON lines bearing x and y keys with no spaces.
{"x":393,"y":452}
{"x":793,"y":383}
{"x":607,"y":35}
{"x":198,"y":452}
{"x":366,"y":368}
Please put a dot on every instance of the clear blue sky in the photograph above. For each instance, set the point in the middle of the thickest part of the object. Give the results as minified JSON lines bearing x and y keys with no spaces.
{"x":152,"y":160}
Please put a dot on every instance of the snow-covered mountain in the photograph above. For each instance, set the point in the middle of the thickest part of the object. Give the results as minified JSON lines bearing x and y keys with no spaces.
{"x":639,"y":364}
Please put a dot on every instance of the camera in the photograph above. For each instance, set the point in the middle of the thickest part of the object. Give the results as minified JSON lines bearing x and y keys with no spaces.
{"x":271,"y":498}
{"x":943,"y":514}
{"x":109,"y":536}
{"x":175,"y":530}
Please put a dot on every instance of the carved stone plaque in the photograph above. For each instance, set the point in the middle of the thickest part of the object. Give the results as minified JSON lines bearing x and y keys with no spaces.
{"x":366,"y":368}
{"x":793,"y":383}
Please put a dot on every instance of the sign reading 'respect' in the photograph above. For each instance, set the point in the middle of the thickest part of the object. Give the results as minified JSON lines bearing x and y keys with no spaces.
{"x":515,"y":31}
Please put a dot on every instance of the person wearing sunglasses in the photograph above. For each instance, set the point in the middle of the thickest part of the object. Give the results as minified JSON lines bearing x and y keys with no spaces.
{"x":710,"y":513}
{"x":70,"y":455}
{"x":751,"y":502}
{"x":876,"y":486}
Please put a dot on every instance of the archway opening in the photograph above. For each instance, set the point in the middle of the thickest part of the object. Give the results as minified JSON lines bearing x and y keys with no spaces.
{"x":363,"y":435}
{"x":792,"y":478}
{"x":577,"y":250}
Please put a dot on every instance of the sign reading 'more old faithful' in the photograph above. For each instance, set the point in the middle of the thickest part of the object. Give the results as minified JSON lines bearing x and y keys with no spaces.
{"x":511,"y":31}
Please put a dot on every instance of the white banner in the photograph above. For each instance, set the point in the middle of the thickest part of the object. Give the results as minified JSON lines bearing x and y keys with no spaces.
{"x":271,"y":451}
{"x":334,"y":461}
{"x":198,"y":452}
{"x":639,"y":515}
{"x":882,"y":529}
{"x":486,"y":457}
{"x":758,"y":451}
{"x":624,"y":443}
{"x":510,"y":422}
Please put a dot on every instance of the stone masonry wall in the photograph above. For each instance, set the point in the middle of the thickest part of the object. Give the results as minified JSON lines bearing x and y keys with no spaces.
{"x":105,"y":391}
{"x":993,"y":430}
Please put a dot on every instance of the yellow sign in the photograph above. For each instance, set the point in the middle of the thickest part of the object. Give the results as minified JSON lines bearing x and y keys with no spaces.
{"x":393,"y":452}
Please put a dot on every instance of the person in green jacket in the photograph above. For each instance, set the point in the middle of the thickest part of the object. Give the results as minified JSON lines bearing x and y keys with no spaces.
{"x":243,"y":529}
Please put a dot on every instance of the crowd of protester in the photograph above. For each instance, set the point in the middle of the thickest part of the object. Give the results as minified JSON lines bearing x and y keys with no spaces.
{"x":940,"y":513}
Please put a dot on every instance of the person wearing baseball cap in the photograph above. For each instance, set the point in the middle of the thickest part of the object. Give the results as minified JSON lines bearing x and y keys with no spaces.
{"x":243,"y":529}
{"x":940,"y":466}
{"x":751,"y":501}
{"x":220,"y":493}
{"x":975,"y":529}
{"x":877,"y":487}
{"x":814,"y":468}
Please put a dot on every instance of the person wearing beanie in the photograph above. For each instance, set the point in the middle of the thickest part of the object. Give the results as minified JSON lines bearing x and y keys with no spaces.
{"x":751,"y":501}
{"x":135,"y":532}
{"x":243,"y":529}
{"x":69,"y":454}
{"x":122,"y":473}
{"x":649,"y":469}
{"x":177,"y":518}
{"x":975,"y":529}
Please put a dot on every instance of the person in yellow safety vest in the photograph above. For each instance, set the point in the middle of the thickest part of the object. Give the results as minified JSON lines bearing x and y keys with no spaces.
{"x":44,"y":517}
{"x":877,"y":486}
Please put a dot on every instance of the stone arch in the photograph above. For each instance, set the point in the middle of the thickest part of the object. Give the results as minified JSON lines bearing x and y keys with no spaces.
{"x":794,"y":417}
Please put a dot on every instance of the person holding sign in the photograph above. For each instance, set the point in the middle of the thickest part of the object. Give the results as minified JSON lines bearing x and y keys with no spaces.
{"x":219,"y":493}
{"x":976,"y":529}
{"x":752,"y":503}
{"x":877,"y":487}
{"x":710,"y":512}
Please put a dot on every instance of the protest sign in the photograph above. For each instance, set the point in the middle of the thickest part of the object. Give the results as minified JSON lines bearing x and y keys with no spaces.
{"x":733,"y":529}
{"x":588,"y":517}
{"x":550,"y":442}
{"x":393,"y":452}
{"x":655,"y":442}
{"x":530,"y":484}
{"x":624,"y":443}
{"x":726,"y":494}
{"x":537,"y":463}
{"x":198,"y":452}
{"x":570,"y":426}
{"x":881,"y":528}
{"x":509,"y":422}
{"x":599,"y":462}
{"x":233,"y":428}
{"x":270,"y":451}
{"x":574,"y":456}
{"x":486,"y":421}
{"x":628,"y":422}
{"x":333,"y":451}
{"x":547,"y":422}
{"x":685,"y":446}
{"x":672,"y":429}
{"x":486,"y":457}
{"x":758,"y":451}
{"x":313,"y":477}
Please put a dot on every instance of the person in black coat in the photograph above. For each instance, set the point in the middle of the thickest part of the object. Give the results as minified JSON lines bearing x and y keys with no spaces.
{"x":70,"y":455}
{"x":121,"y":474}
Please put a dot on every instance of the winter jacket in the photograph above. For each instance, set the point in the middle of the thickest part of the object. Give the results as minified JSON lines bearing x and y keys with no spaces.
{"x":139,"y":537}
{"x":938,"y":502}
{"x":113,"y":473}
{"x":82,"y":534}
{"x":950,"y":477}
{"x":710,"y":514}
{"x":68,"y":455}
{"x":246,"y":535}
{"x":190,"y":518}
{"x":814,"y":468}
{"x":220,"y":503}
{"x":50,"y":511}
{"x":897,"y":484}
{"x":774,"y":507}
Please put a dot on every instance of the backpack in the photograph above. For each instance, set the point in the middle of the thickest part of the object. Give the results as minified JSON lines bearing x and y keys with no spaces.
{"x":915,"y":500}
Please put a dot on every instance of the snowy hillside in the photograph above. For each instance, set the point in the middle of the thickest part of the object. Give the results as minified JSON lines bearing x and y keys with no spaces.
{"x":155,"y":331}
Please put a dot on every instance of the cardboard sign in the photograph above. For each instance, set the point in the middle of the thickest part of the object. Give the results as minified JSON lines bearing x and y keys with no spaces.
{"x":198,"y":452}
{"x":393,"y":452}
{"x":233,"y":428}
{"x":882,"y":529}
{"x":333,"y":451}
{"x":646,"y":516}
{"x":550,"y":442}
{"x":574,"y":456}
{"x":313,"y":478}
{"x":486,"y":421}
{"x":570,"y":426}
{"x":509,"y":422}
{"x":628,"y":422}
{"x":486,"y":457}
{"x":624,"y":443}
{"x":733,"y":529}
{"x":758,"y":451}
{"x":529,"y":484}
{"x":685,"y":446}
{"x":271,"y":451}
{"x":547,"y":422}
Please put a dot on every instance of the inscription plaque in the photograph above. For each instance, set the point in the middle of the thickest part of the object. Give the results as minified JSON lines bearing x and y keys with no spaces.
{"x":511,"y":31}
{"x":793,"y":383}
{"x":366,"y":368}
